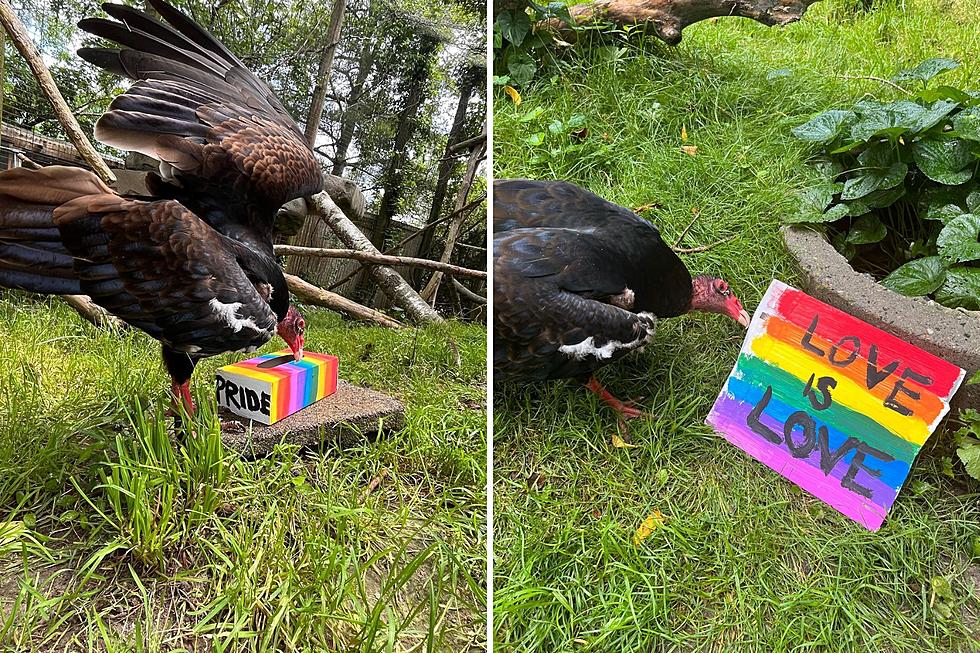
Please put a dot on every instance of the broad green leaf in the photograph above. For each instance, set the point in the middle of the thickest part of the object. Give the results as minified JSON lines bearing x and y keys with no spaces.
{"x":973,"y":201}
{"x":944,"y":213}
{"x":882,"y":198}
{"x":943,"y":93}
{"x":959,"y":241}
{"x":857,"y":208}
{"x":961,"y":289}
{"x":966,"y":123}
{"x":513,"y":25}
{"x":917,"y":278}
{"x":833,"y":214}
{"x":847,"y":147}
{"x":927,"y":70}
{"x":879,"y":155}
{"x":871,"y":179}
{"x":968,"y":451}
{"x":521,"y":66}
{"x":894,"y":119}
{"x":945,"y":160}
{"x":823,"y":127}
{"x":866,"y":230}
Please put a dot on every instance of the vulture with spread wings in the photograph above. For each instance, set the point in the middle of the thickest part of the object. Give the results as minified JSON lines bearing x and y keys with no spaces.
{"x":193,"y":264}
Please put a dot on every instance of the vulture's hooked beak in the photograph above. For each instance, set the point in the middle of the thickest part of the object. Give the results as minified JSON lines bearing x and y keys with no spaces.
{"x":744,"y":318}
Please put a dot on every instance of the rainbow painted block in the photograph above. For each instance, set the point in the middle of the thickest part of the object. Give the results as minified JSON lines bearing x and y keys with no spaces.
{"x":273,"y":386}
{"x":837,"y":406}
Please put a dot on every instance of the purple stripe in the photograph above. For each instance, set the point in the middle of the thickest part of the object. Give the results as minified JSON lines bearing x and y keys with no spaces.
{"x":730,"y":421}
{"x":736,"y":412}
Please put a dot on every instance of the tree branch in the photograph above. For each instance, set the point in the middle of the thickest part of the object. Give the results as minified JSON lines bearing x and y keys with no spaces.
{"x":311,"y":294}
{"x":380,"y":259}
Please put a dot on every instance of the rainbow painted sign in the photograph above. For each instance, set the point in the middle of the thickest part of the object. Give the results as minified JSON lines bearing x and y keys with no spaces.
{"x":270,"y":387}
{"x":835,"y":405}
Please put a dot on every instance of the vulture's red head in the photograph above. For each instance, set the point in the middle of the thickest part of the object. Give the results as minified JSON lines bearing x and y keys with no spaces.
{"x":712,"y":295}
{"x":291,"y":330}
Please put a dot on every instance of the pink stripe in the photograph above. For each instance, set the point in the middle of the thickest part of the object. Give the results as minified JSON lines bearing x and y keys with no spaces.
{"x":295,"y":390}
{"x":809,"y":478}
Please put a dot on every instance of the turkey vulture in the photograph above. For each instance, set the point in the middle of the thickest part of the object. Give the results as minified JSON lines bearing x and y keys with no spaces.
{"x":192,"y":264}
{"x":579,"y":282}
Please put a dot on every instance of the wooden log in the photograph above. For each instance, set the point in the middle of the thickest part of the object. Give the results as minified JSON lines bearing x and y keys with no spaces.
{"x":389,"y":281}
{"x":381,"y":259}
{"x":668,"y":18}
{"x":93,"y":312}
{"x":311,"y":294}
{"x":18,"y":34}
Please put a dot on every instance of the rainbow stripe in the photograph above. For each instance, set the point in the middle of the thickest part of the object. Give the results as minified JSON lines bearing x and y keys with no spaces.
{"x":852,"y":442}
{"x":292,"y":385}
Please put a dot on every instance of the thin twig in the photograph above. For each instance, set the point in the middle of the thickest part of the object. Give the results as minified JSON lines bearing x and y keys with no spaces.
{"x":702,"y":248}
{"x":877,"y":79}
{"x":696,"y":213}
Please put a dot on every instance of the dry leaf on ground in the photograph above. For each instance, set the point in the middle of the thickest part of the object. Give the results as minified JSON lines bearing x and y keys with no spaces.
{"x":653,"y":521}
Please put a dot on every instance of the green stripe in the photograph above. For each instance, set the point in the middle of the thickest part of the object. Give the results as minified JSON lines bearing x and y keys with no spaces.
{"x":789,"y":389}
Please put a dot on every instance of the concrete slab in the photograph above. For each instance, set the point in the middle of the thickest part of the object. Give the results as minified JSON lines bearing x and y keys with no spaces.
{"x":350,"y":415}
{"x":953,"y":335}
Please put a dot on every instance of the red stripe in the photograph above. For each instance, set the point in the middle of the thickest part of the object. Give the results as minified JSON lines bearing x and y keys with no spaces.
{"x":800,"y":309}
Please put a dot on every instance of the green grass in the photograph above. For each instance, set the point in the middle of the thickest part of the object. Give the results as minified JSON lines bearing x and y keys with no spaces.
{"x":113,"y":538}
{"x":746,"y":561}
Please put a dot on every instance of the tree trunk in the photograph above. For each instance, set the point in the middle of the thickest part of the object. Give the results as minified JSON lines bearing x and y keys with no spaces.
{"x":365,"y":62}
{"x":315,"y":232}
{"x":18,"y":34}
{"x":407,"y":123}
{"x":323,"y":74}
{"x":448,"y":162}
{"x":477,"y":155}
{"x":668,"y":18}
{"x":387,"y":279}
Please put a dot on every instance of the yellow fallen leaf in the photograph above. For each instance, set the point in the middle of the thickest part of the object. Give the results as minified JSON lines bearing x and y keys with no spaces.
{"x":654,"y":521}
{"x":683,"y":134}
{"x":620,"y":443}
{"x":690,"y":150}
{"x":513,"y":94}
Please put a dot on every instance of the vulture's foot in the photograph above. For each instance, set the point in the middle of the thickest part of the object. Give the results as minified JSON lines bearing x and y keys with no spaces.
{"x":624,"y":409}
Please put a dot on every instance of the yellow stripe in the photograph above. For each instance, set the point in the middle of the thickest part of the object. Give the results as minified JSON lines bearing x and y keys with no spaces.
{"x":850,"y":394}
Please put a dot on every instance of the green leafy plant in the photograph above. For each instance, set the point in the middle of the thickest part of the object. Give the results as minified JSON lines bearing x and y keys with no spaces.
{"x":518,"y":42}
{"x":899,"y":192}
{"x":968,"y":437}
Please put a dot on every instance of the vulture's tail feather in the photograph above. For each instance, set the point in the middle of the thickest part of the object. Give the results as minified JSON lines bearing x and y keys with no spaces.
{"x":32,"y":255}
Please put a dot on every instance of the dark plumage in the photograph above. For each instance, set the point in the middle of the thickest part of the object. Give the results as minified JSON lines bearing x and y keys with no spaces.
{"x":580,"y":282}
{"x":192,"y":265}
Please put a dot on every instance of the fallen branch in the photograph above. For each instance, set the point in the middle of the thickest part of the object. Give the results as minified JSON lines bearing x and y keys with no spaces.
{"x":381,"y":259}
{"x":410,"y":237}
{"x":311,"y":294}
{"x":469,"y":294}
{"x":668,"y":18}
{"x":93,"y":312}
{"x":389,"y":281}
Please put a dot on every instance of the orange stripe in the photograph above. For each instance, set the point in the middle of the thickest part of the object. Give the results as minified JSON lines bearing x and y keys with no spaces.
{"x":927,"y":407}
